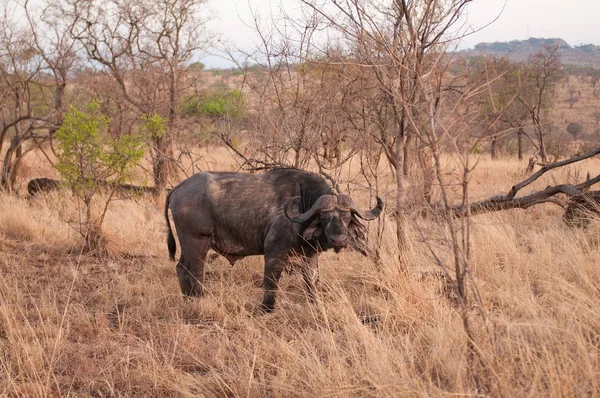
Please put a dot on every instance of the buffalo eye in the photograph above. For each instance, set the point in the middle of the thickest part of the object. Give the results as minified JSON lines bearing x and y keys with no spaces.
{"x":324,"y":218}
{"x":346,"y":217}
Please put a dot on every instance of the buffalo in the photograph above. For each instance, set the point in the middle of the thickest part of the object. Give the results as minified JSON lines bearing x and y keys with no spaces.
{"x":37,"y":185}
{"x":281,"y":214}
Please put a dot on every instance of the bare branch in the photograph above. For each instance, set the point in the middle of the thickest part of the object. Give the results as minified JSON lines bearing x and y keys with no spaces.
{"x":515,"y":188}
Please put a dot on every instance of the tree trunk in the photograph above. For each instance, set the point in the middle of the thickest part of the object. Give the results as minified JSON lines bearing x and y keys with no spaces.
{"x":426,"y":161}
{"x":493,"y":147}
{"x":337,"y":151}
{"x":540,"y":136}
{"x":297,"y":149}
{"x":400,"y":194}
{"x":8,"y":176}
{"x":94,"y":241}
{"x":406,"y":161}
{"x":6,"y":168}
{"x":543,"y":155}
{"x":12,"y":176}
{"x":160,"y":167}
{"x":10,"y":166}
{"x":520,"y":133}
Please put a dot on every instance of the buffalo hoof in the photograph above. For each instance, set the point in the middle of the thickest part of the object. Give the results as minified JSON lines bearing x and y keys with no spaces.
{"x":268,"y":305}
{"x":190,"y":286}
{"x":192,"y":294}
{"x":193,"y":290}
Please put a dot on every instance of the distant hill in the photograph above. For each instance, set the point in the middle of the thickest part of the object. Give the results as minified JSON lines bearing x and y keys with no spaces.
{"x":519,"y":50}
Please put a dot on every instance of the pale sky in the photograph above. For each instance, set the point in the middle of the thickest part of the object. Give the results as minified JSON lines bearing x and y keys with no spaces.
{"x":575,"y":21}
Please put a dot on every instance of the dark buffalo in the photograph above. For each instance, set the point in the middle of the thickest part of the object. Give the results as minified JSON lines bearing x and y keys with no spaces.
{"x":37,"y":185}
{"x":281,"y":214}
{"x":42,"y":185}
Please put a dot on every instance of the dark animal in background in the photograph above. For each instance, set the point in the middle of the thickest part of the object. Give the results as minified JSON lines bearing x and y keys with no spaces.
{"x":42,"y":185}
{"x":281,"y":214}
{"x":37,"y":185}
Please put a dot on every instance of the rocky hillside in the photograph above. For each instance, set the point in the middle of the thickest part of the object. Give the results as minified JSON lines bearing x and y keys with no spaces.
{"x":519,"y":50}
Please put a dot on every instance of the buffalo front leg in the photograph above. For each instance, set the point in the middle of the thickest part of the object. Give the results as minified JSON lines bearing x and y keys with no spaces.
{"x":190,"y":268}
{"x":273,"y":268}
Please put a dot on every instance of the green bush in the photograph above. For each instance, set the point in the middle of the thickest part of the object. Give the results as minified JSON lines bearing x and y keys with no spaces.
{"x":477,"y":150}
{"x":154,"y":126}
{"x":228,"y":103}
{"x":89,"y":159}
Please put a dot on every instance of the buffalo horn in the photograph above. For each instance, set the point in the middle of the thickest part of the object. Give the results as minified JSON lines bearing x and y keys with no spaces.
{"x":345,"y":201}
{"x":325,"y":202}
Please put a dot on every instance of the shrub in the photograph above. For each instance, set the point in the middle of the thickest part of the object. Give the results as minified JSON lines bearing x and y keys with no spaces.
{"x":227,"y":103}
{"x":477,"y":150}
{"x":574,"y":129}
{"x":87,"y":158}
{"x":197,"y":66}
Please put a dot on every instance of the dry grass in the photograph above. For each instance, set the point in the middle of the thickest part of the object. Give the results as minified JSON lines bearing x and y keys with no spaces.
{"x":73,"y":325}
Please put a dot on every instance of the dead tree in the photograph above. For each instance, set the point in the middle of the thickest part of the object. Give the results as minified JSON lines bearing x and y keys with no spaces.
{"x":34,"y":68}
{"x":576,"y":194}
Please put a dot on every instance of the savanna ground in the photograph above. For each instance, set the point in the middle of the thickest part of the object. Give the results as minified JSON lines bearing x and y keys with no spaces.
{"x":79,"y":325}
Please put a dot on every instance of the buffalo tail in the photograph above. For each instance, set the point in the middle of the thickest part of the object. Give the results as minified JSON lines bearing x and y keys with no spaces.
{"x":171,"y":244}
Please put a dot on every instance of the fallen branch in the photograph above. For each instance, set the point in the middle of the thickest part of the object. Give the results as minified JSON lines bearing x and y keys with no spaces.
{"x":500,"y":203}
{"x":515,"y":188}
{"x":510,"y":201}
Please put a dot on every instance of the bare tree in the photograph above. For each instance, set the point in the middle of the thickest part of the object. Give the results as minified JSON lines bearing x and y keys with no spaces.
{"x":498,"y":101}
{"x":145,"y":48}
{"x":542,"y":72}
{"x":37,"y":60}
{"x":297,"y":116}
{"x":401,"y":47}
{"x":19,"y":68}
{"x":397,"y":43}
{"x":572,"y":100}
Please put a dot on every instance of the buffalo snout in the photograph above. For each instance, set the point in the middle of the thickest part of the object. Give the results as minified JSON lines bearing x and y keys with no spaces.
{"x":338,"y":241}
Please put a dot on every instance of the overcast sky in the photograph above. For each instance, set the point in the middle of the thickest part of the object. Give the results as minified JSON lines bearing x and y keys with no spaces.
{"x":575,"y":21}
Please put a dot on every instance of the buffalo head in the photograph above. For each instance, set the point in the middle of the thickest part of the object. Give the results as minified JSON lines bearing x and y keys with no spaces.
{"x":331,"y":219}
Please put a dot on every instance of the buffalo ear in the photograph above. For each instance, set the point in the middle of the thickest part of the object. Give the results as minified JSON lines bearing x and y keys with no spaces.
{"x":313,"y":231}
{"x":356,"y":229}
{"x":358,"y":239}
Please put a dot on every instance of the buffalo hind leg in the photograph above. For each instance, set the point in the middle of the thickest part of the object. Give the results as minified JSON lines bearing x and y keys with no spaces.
{"x":273,"y":269}
{"x":190,"y":268}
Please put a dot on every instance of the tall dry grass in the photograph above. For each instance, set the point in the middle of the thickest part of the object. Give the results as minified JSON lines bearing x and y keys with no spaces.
{"x":75,"y":325}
